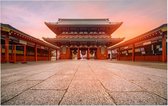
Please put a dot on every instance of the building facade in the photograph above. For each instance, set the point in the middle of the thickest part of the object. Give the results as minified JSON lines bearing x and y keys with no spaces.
{"x":150,"y":46}
{"x":16,"y":46}
{"x":83,"y":38}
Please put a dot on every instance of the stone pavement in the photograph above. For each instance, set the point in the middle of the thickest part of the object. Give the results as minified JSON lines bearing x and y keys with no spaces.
{"x":79,"y":82}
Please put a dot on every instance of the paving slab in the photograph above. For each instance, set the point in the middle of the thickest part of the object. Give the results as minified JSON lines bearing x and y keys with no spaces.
{"x":137,"y":98}
{"x":118,"y":84}
{"x":37,"y":97}
{"x":12,"y":90}
{"x":10,"y":79}
{"x":86,"y":92}
{"x":84,"y":75}
{"x":66,"y":71}
{"x":83,"y":82}
{"x":57,"y":82}
{"x":155,"y":87}
{"x":40,"y":76}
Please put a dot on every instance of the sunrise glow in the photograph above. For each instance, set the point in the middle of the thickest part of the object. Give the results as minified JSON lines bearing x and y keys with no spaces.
{"x":137,"y":16}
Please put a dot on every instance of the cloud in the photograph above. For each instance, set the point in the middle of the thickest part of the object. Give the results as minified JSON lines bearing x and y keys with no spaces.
{"x":137,"y":16}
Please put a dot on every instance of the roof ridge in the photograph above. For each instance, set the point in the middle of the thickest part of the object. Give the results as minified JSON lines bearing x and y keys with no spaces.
{"x":79,"y":19}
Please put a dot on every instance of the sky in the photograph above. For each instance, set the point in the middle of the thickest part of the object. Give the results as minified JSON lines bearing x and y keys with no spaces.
{"x":138,"y":16}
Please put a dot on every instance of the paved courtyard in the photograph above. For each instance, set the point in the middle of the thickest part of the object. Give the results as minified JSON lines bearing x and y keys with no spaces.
{"x":79,"y":82}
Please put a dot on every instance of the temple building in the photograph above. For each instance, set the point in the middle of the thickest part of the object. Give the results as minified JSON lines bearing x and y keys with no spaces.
{"x":150,"y":46}
{"x":83,"y":38}
{"x":17,"y":46}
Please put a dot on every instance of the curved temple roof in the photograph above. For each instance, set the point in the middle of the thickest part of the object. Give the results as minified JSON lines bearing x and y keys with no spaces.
{"x":83,"y":22}
{"x":90,"y":31}
{"x":20,"y":34}
{"x":109,"y":41}
{"x":69,"y":23}
{"x":152,"y":33}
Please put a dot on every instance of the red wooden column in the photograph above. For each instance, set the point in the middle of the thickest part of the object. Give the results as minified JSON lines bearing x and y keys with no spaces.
{"x":118,"y":53}
{"x":133,"y":52}
{"x":14,"y":53}
{"x":98,"y":53}
{"x":59,"y":56}
{"x":24,"y":55}
{"x":1,"y":52}
{"x":40,"y":56}
{"x":7,"y":49}
{"x":78,"y":53}
{"x":106,"y":53}
{"x":56,"y":54}
{"x":49,"y":54}
{"x":35,"y":52}
{"x":164,"y":57}
{"x":111,"y":54}
{"x":88,"y":53}
{"x":68,"y":53}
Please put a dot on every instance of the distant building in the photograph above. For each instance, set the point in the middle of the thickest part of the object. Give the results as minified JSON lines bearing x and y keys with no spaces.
{"x":150,"y":46}
{"x":83,"y":38}
{"x":16,"y":46}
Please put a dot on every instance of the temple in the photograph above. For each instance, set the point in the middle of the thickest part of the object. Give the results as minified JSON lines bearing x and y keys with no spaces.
{"x":83,"y":38}
{"x":150,"y":46}
{"x":17,"y":46}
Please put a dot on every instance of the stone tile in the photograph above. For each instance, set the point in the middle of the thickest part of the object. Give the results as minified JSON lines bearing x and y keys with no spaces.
{"x":116,"y":83}
{"x":137,"y":98}
{"x":11,"y":90}
{"x":129,"y":74}
{"x":37,"y":97}
{"x":87,"y":98}
{"x":40,"y":76}
{"x":84,"y":75}
{"x":85,"y":85}
{"x":80,"y":80}
{"x":57,"y":82}
{"x":66,"y":71}
{"x":86,"y":92}
{"x":155,"y":87}
{"x":158,"y":79}
{"x":10,"y":79}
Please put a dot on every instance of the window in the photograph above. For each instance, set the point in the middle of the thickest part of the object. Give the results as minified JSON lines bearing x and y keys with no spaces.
{"x":157,"y":48}
{"x":30,"y":51}
{"x":19,"y":49}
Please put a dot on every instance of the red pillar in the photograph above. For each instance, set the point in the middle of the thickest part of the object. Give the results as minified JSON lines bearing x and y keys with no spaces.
{"x":40,"y":54}
{"x":106,"y":53}
{"x":78,"y":53}
{"x":68,"y":53}
{"x":36,"y":53}
{"x":88,"y":53}
{"x":164,"y":57}
{"x":1,"y":52}
{"x":133,"y":52}
{"x":98,"y":53}
{"x":118,"y":53}
{"x":56,"y":54}
{"x":111,"y":54}
{"x":14,"y":53}
{"x":24,"y":55}
{"x":59,"y":56}
{"x":49,"y":54}
{"x":7,"y":49}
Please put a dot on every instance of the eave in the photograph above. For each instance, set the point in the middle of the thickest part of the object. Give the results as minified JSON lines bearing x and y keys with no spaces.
{"x":152,"y":33}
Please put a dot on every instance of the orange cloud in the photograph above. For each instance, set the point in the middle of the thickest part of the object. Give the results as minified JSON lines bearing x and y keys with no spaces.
{"x":137,"y":16}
